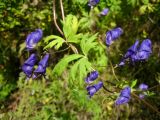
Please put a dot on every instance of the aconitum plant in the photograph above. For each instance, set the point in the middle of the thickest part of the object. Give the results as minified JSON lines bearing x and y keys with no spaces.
{"x":42,"y":65}
{"x":112,"y":35}
{"x":93,"y":2}
{"x":94,"y":88}
{"x":28,"y":65}
{"x":104,"y":11}
{"x":124,"y":96}
{"x":33,"y":38}
{"x":136,"y":53}
{"x":91,"y":77}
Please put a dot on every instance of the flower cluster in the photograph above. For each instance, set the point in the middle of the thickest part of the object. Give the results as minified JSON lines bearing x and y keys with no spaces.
{"x":92,"y":89}
{"x":124,"y":96}
{"x":142,"y":87}
{"x":28,"y":66}
{"x":135,"y":53}
{"x":112,"y":35}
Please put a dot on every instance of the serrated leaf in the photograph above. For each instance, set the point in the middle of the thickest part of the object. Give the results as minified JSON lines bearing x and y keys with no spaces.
{"x":87,"y":43}
{"x":60,"y":66}
{"x":56,"y":41}
{"x":80,"y":69}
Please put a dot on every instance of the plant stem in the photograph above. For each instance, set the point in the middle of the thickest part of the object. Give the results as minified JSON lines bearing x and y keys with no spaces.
{"x":54,"y":18}
{"x":62,"y":10}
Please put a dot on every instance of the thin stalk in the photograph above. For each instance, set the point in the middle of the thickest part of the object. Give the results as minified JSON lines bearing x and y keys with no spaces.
{"x":54,"y":18}
{"x":62,"y":10}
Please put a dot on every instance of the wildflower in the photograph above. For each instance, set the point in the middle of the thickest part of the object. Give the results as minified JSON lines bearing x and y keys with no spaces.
{"x":145,"y":50}
{"x":91,"y":77}
{"x":113,"y":35}
{"x":93,"y":89}
{"x":124,"y":96}
{"x":28,"y":65}
{"x":93,"y":2}
{"x":143,"y":86}
{"x":136,"y":53}
{"x":41,"y":69}
{"x":33,"y":38}
{"x":104,"y":11}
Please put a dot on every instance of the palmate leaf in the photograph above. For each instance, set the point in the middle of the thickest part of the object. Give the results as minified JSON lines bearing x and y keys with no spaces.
{"x":56,"y":41}
{"x":70,"y":25}
{"x":88,"y":42}
{"x":60,"y":66}
{"x":79,"y":70}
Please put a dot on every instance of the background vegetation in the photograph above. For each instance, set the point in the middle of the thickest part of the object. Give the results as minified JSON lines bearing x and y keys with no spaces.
{"x":62,"y":95}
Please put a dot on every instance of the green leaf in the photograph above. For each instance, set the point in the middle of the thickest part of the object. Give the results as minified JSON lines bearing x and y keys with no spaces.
{"x":56,"y":41}
{"x":87,"y":43}
{"x":60,"y":66}
{"x":133,"y":83}
{"x":79,"y":70}
{"x":70,"y":25}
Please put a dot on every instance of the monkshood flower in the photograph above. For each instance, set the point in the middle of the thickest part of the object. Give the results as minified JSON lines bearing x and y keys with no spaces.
{"x":91,"y":77}
{"x":136,"y":53}
{"x":145,"y":50}
{"x":42,"y":65}
{"x":33,"y":38}
{"x":113,"y":35}
{"x":124,"y":96}
{"x":143,"y":86}
{"x":104,"y":11}
{"x":131,"y":54}
{"x":93,"y":2}
{"x":94,"y":88}
{"x":28,"y":65}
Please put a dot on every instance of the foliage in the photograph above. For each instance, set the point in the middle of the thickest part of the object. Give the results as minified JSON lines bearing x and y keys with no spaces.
{"x":61,"y":93}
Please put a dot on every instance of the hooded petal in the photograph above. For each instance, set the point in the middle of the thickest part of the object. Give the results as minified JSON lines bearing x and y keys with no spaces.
{"x":146,"y":45}
{"x":91,"y":77}
{"x":44,"y":60}
{"x":31,"y":60}
{"x":143,"y":86}
{"x":93,"y":2}
{"x":33,"y":38}
{"x":104,"y":11}
{"x":113,"y":35}
{"x":124,"y":96}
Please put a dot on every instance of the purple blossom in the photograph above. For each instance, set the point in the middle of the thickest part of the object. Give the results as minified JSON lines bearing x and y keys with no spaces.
{"x":141,"y":96}
{"x":93,"y":2}
{"x":28,"y":65}
{"x":91,"y":77}
{"x":136,"y":53}
{"x":143,"y":86}
{"x":41,"y":69}
{"x":33,"y":38}
{"x":113,"y":35}
{"x":145,"y":50}
{"x":104,"y":11}
{"x":124,"y":96}
{"x":94,"y":88}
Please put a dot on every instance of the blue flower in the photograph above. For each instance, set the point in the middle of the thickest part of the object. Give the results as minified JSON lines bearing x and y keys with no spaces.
{"x":94,"y":88}
{"x":93,"y":2}
{"x":145,"y":50}
{"x":136,"y":53}
{"x":124,"y":96}
{"x":113,"y":35}
{"x":104,"y":11}
{"x":41,"y":69}
{"x":91,"y":77}
{"x":33,"y":38}
{"x":28,"y":65}
{"x":143,"y":86}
